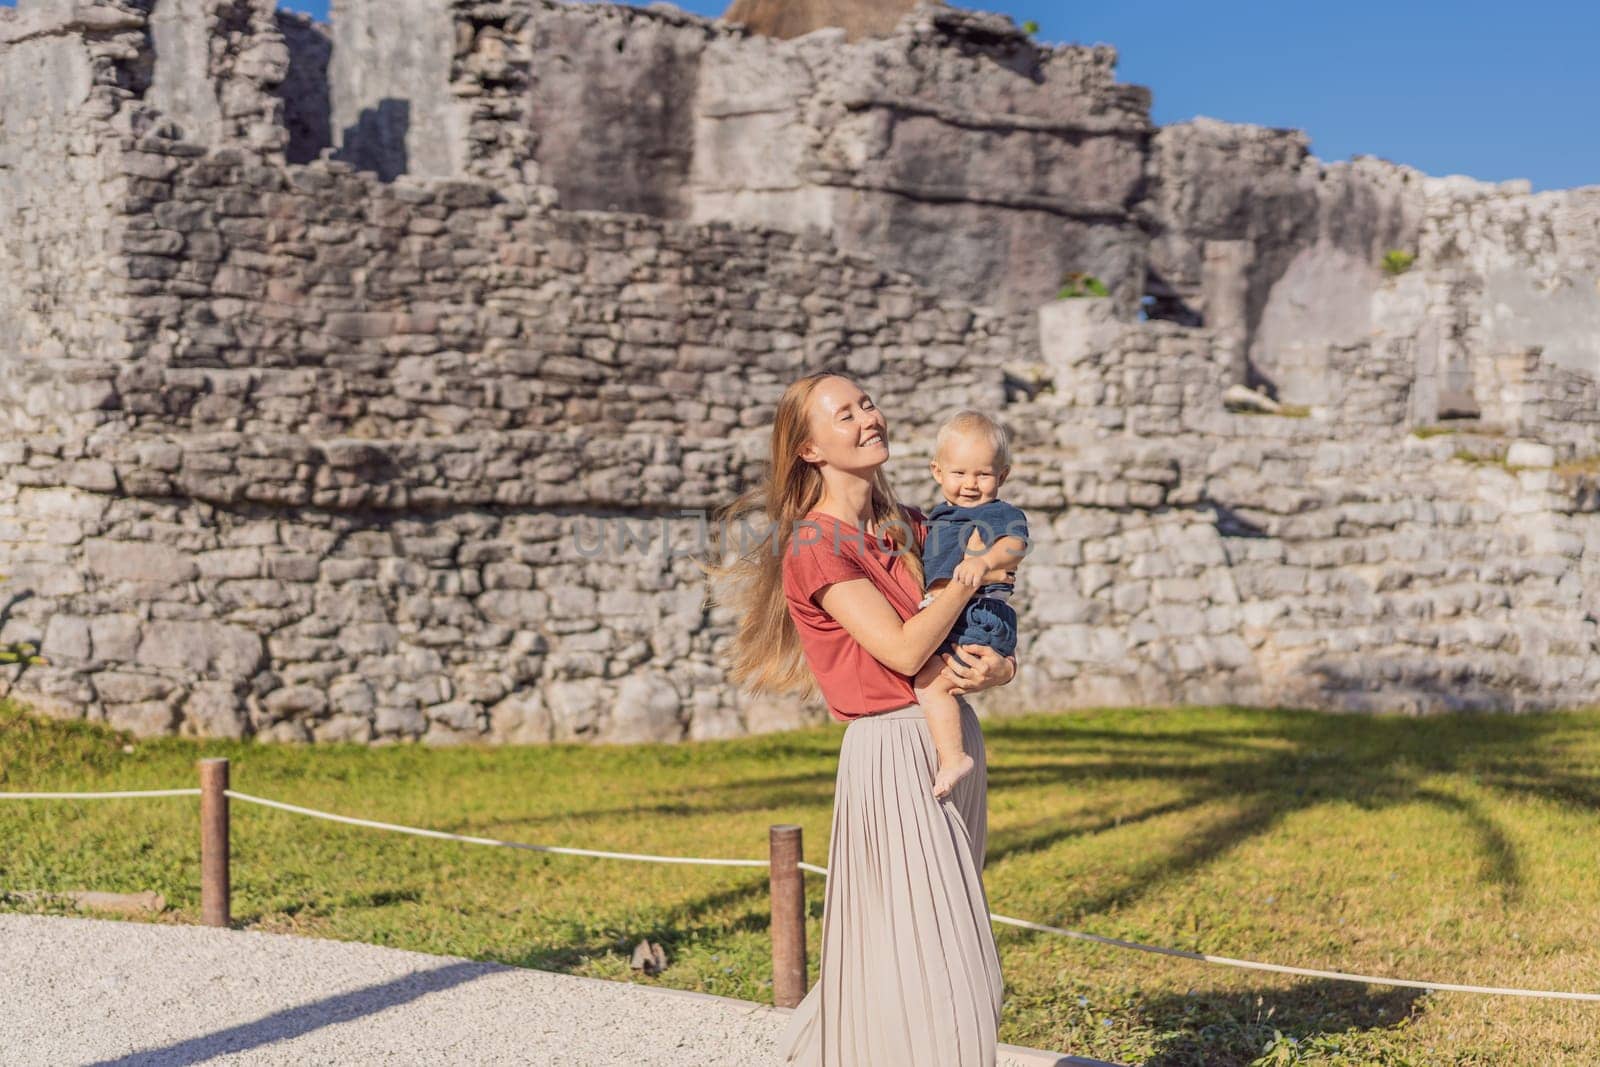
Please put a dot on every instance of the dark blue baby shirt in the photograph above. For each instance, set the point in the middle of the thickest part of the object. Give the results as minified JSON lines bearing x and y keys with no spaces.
{"x":987,"y":619}
{"x":950,"y":527}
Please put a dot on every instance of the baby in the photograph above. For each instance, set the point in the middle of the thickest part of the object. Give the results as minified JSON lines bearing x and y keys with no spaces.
{"x":970,"y":534}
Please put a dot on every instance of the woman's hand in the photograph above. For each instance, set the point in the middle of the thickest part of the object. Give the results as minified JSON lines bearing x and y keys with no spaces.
{"x":985,"y":669}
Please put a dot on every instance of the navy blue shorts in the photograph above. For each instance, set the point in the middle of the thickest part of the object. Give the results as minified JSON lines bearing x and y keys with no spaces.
{"x":986,"y":621}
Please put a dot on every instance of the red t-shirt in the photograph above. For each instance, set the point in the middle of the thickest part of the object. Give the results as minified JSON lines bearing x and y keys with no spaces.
{"x":823,"y":551}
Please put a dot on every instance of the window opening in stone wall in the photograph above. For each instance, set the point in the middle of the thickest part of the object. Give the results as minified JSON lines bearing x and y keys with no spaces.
{"x":307,"y":106}
{"x":1161,"y":300}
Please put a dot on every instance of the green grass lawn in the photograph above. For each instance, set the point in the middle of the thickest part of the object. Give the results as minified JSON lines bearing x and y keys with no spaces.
{"x":1461,"y":849}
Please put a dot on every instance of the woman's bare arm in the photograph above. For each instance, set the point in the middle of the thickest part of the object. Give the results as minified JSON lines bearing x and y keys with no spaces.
{"x":901,"y":646}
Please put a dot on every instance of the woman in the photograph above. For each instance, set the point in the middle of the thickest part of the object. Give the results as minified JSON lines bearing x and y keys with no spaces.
{"x":910,"y":975}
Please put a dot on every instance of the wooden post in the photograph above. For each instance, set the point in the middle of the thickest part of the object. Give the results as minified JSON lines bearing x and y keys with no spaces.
{"x":788,"y":917}
{"x":214,"y":903}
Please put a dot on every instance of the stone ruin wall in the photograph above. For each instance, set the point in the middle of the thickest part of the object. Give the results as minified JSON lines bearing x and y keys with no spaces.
{"x":56,"y":278}
{"x":1279,"y":252}
{"x":1330,"y":561}
{"x":958,"y":150}
{"x":301,"y":453}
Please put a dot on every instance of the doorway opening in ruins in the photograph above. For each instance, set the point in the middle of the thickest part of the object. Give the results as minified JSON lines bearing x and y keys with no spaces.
{"x":1170,"y":303}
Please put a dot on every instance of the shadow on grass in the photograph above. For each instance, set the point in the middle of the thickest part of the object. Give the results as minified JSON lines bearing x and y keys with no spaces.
{"x":703,"y":801}
{"x":694,"y":921}
{"x":1043,"y":834}
{"x":1234,"y":1028}
{"x":741,"y":797}
{"x":1370,"y":763}
{"x":1294,"y":762}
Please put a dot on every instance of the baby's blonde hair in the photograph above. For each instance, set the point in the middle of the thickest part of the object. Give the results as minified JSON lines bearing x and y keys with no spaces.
{"x":975,"y":423}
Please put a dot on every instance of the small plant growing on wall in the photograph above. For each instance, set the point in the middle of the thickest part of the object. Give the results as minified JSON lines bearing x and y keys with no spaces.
{"x":1397,"y":261}
{"x":23,"y":652}
{"x":1078,"y":284}
{"x":1031,"y":28}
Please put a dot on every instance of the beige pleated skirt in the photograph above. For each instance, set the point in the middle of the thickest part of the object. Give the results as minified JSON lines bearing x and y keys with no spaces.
{"x":910,"y":976}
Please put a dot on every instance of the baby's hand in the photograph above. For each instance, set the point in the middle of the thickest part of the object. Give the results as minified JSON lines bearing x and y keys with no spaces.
{"x":970,"y":572}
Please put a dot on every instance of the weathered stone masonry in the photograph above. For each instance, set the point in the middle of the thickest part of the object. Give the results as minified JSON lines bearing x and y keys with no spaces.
{"x":304,"y":452}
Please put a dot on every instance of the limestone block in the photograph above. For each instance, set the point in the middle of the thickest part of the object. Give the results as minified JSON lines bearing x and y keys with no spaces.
{"x":714,"y":721}
{"x":67,"y":638}
{"x":115,"y":637}
{"x":347,"y":728}
{"x":521,"y":718}
{"x":768,"y":714}
{"x":515,"y":607}
{"x":1549,"y":539}
{"x":214,"y":709}
{"x":286,"y":731}
{"x":369,"y":639}
{"x":338,"y":571}
{"x":94,"y":475}
{"x":229,"y":563}
{"x":1530,"y":454}
{"x":152,"y":718}
{"x":647,"y":708}
{"x":575,"y":707}
{"x":62,"y":503}
{"x":292,"y":568}
{"x":465,"y":716}
{"x":203,"y":649}
{"x":1072,"y":333}
{"x":133,"y":561}
{"x":295,"y":701}
{"x":508,"y":575}
{"x":1178,"y":620}
{"x":351,"y":695}
{"x":482,"y":685}
{"x":400,"y":720}
{"x":1068,"y":609}
{"x":1057,"y":652}
{"x":119,"y":687}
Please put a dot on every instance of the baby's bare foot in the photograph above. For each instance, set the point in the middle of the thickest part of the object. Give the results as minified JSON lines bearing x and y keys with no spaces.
{"x":947,"y":777}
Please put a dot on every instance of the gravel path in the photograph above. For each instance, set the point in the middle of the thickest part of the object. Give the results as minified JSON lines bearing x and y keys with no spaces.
{"x":86,"y":991}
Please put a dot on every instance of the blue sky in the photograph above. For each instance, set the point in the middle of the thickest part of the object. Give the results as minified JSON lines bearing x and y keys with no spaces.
{"x":1494,"y":90}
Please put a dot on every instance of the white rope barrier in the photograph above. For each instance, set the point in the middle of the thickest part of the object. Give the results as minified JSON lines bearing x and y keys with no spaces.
{"x":490,"y":841}
{"x":123,"y":795}
{"x":1006,"y":920}
{"x":1306,"y":972}
{"x":1252,"y":965}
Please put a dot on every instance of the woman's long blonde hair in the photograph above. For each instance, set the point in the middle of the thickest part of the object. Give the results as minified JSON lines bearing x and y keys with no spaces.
{"x":765,"y":654}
